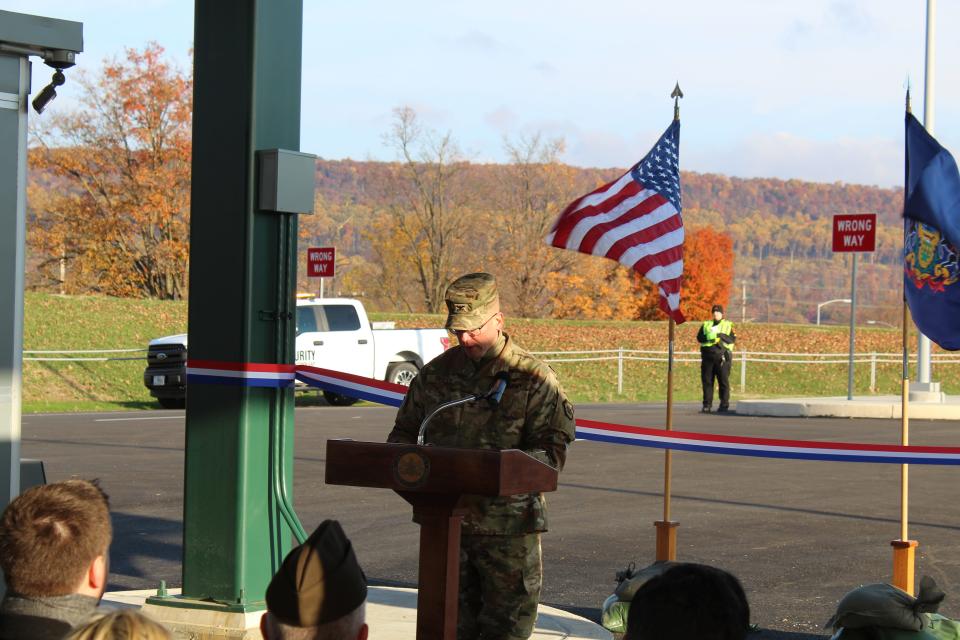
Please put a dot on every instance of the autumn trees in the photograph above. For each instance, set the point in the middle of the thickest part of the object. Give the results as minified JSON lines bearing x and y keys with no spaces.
{"x":427,"y":221}
{"x":110,"y":207}
{"x":534,"y":187}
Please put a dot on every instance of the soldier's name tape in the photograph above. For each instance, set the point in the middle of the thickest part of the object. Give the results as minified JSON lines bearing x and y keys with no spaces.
{"x":267,"y":375}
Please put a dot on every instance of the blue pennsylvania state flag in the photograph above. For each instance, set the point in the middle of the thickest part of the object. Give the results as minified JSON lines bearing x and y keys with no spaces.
{"x":931,"y":211}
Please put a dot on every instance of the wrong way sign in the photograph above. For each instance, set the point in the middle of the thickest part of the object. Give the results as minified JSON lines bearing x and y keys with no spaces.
{"x":855,"y":232}
{"x":320,"y":262}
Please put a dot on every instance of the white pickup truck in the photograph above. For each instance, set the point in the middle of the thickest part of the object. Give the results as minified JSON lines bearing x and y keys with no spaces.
{"x":332,"y":333}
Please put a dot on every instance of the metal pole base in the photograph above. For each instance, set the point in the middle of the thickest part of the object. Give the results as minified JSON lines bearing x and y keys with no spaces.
{"x":666,"y":539}
{"x":904,"y":552}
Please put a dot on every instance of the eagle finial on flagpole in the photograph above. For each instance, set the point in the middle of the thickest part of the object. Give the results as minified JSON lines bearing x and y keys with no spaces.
{"x":676,"y":95}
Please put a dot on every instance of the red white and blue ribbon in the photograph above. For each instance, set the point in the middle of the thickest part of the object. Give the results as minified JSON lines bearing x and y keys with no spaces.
{"x":353,"y":386}
{"x":264,"y":375}
{"x":249,"y":374}
{"x":764,"y":447}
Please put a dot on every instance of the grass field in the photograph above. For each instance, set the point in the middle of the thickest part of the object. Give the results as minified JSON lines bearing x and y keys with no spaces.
{"x":54,"y":322}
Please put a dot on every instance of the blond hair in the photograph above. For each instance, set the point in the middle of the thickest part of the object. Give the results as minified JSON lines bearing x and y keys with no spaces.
{"x":123,"y":624}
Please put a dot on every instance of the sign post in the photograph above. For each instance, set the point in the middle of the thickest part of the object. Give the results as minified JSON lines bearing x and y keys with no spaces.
{"x":854,"y":233}
{"x":321,"y":263}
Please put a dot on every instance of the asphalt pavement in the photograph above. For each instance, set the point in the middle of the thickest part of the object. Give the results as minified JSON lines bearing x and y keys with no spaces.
{"x":799,"y":534}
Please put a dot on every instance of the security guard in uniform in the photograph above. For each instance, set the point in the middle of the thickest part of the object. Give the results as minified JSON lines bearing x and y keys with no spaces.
{"x":716,"y":338}
{"x":500,"y":562}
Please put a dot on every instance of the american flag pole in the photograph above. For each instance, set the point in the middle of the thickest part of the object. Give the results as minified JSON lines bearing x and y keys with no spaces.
{"x":635,"y":220}
{"x":666,"y":543}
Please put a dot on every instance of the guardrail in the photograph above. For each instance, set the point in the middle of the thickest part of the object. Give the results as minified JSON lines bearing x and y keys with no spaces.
{"x":740,"y":357}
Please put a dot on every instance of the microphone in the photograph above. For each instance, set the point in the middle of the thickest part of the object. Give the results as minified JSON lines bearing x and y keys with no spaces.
{"x":496,"y":391}
{"x":492,"y":396}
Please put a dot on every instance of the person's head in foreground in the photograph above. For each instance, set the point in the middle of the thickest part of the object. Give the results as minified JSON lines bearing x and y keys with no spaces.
{"x":717,"y":312}
{"x":689,"y":602}
{"x":319,"y":593}
{"x":125,"y":624}
{"x":55,"y":541}
{"x":473,"y":312}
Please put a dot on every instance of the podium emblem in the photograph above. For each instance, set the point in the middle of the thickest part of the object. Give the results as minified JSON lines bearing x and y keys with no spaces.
{"x":411,"y":469}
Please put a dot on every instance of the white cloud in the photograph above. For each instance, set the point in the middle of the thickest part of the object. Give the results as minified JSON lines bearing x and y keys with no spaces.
{"x":503,"y":119}
{"x":596,"y":148}
{"x":874,"y":161}
{"x":851,"y":17}
{"x":545,"y":68}
{"x":477,"y":40}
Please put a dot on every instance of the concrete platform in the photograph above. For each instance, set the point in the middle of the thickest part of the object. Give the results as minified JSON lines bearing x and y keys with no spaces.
{"x":392,"y":615}
{"x":859,"y":407}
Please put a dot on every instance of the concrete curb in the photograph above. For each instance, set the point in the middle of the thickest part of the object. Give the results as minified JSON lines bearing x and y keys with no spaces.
{"x":392,"y":614}
{"x":863,"y":407}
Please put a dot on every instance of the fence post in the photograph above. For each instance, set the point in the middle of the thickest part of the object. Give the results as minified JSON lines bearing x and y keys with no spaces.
{"x":619,"y":370}
{"x":743,"y":371}
{"x":873,"y":372}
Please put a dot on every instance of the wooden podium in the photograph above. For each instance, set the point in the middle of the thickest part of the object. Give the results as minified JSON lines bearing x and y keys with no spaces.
{"x":433,"y":479}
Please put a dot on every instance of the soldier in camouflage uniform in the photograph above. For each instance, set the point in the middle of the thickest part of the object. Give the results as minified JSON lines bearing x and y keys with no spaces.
{"x":500,"y":564}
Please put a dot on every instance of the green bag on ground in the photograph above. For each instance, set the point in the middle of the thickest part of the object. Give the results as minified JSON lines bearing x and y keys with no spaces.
{"x":633,"y":580}
{"x":614,"y":614}
{"x":935,"y":627}
{"x":883,"y":606}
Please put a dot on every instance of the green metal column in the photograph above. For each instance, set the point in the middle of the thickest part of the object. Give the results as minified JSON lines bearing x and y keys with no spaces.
{"x":242,"y":273}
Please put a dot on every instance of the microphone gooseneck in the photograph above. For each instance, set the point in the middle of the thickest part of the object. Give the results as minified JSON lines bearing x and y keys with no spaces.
{"x":493,"y":396}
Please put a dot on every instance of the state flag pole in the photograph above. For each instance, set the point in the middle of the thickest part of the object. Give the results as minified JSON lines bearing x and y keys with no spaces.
{"x":666,"y":541}
{"x":904,"y":549}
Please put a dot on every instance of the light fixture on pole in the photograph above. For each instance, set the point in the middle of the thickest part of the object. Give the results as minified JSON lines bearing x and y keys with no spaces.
{"x":823,"y":304}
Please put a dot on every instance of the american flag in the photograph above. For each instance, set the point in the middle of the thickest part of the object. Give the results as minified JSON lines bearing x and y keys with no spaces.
{"x":635,"y":220}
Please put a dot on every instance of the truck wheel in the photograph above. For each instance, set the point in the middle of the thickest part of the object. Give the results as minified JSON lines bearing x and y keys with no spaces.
{"x":172,"y":403}
{"x":337,"y":400}
{"x":402,"y":373}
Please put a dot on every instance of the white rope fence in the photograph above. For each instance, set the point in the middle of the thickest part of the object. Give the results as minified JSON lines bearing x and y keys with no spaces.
{"x":64,"y":355}
{"x":622,"y":355}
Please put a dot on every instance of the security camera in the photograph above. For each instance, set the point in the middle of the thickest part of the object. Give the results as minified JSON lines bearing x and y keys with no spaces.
{"x":49,"y":92}
{"x":59,"y":59}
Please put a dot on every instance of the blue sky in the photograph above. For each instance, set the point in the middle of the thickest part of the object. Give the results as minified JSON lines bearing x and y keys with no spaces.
{"x":808,"y":89}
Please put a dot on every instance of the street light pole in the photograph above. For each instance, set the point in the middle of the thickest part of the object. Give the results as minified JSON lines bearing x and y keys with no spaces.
{"x":823,"y":304}
{"x":924,"y":383}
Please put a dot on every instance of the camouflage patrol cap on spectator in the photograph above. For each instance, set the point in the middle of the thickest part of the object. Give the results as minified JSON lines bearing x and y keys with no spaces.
{"x":320,"y":581}
{"x":471,"y":300}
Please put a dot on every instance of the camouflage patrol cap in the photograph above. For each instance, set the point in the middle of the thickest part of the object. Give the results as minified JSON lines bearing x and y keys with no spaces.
{"x":319,"y":581}
{"x":471,"y":300}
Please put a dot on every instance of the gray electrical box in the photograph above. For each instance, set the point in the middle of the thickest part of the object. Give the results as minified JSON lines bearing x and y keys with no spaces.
{"x":287,"y":180}
{"x":32,"y":474}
